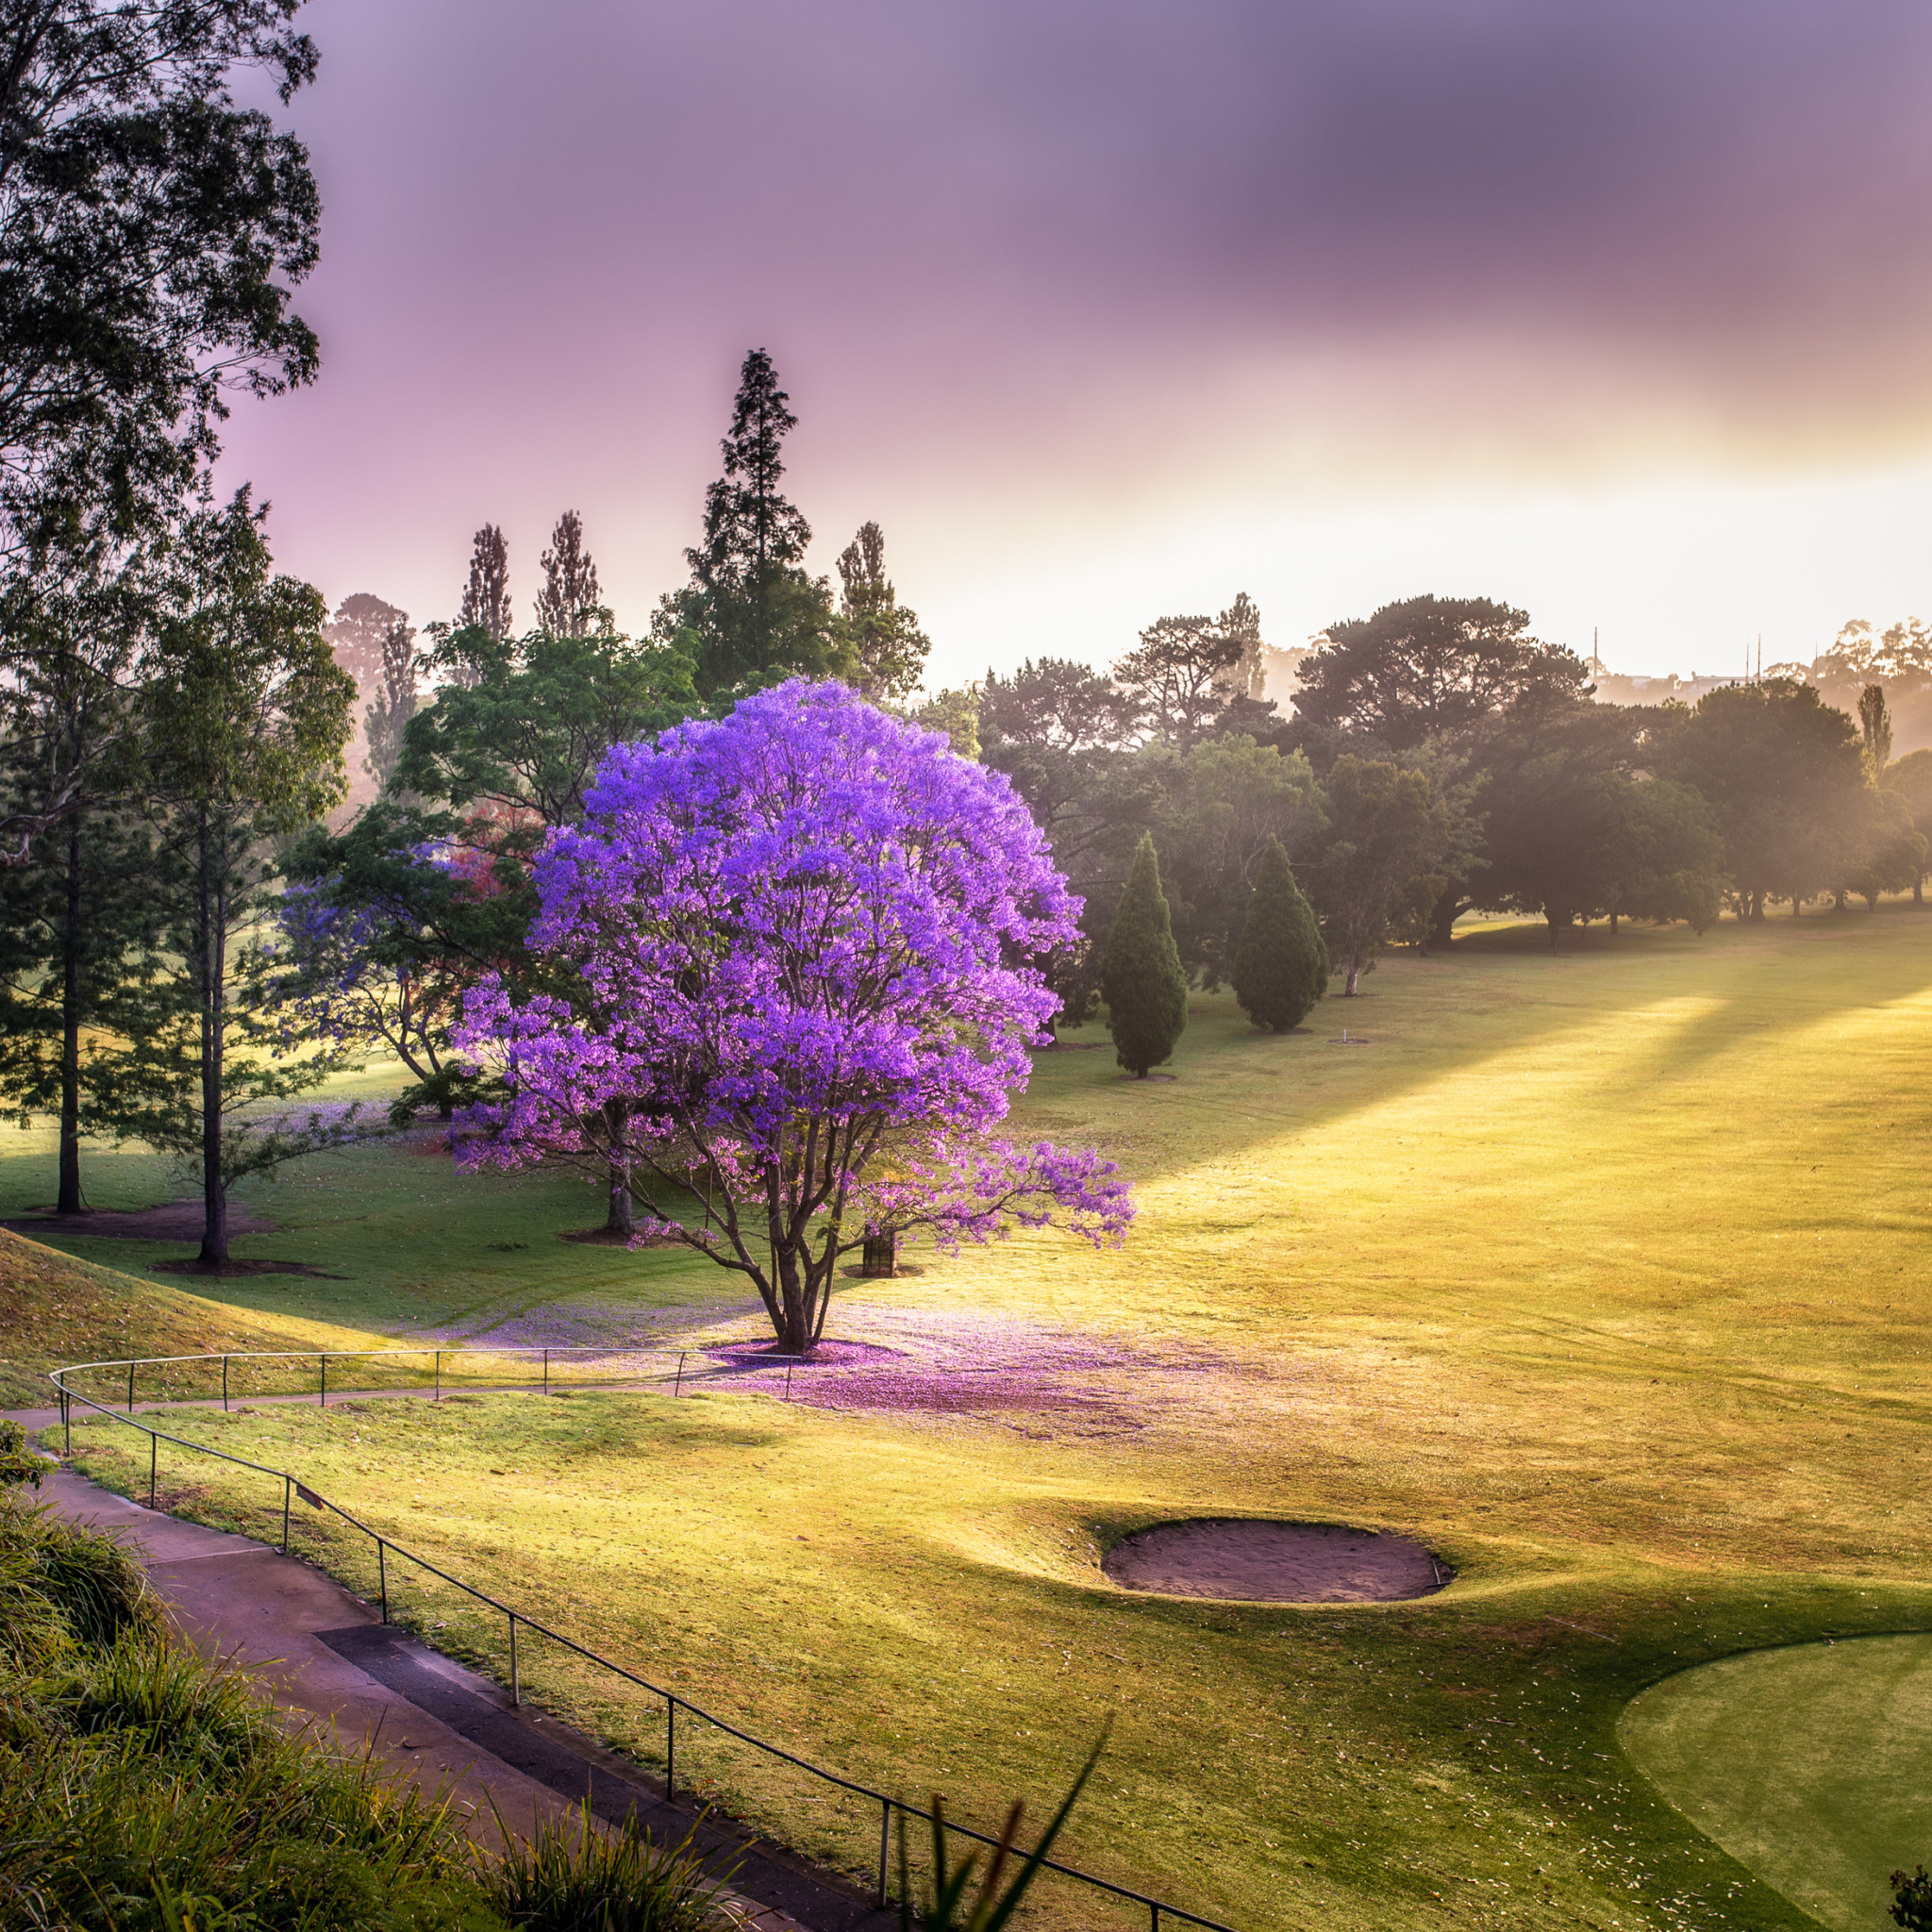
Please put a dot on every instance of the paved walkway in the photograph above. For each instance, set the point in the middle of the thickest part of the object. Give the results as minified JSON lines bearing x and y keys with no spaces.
{"x":322,"y":1651}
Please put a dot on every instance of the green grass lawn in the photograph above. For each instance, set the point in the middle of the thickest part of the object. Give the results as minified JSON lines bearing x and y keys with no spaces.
{"x":55,"y":1310}
{"x":406,"y":1244}
{"x":1603,"y":1273}
{"x":1824,"y":1824}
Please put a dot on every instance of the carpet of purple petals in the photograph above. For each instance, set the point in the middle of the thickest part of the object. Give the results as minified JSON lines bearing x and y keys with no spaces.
{"x":951,"y":1366}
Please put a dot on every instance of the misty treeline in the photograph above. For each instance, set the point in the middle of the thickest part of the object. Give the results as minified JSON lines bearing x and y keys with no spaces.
{"x":1435,"y":759}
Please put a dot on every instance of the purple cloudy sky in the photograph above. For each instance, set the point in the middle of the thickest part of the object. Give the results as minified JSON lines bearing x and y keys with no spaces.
{"x":1110,"y":310}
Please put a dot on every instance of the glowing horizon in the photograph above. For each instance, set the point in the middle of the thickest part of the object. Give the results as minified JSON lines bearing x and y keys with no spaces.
{"x":1111,"y":312}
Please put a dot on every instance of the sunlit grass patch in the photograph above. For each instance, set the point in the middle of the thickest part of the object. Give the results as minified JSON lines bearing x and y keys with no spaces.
{"x":1602,"y":1274}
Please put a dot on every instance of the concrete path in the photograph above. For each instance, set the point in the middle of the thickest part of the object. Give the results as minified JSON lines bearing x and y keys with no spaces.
{"x":368,"y":1688}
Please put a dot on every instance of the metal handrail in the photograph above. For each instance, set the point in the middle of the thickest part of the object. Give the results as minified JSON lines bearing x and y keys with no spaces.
{"x":293,"y":1487}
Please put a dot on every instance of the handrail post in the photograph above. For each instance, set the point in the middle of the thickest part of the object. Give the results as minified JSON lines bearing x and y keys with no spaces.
{"x":154,"y":1450}
{"x":288,"y":1496}
{"x":439,"y":1375}
{"x":1154,"y":1918}
{"x":669,"y":1745}
{"x":225,"y":1384}
{"x":516,"y":1692}
{"x":885,"y":1832}
{"x":677,"y":1387}
{"x":323,"y":1398}
{"x":130,"y":1388}
{"x":546,"y":1371}
{"x":382,"y":1578}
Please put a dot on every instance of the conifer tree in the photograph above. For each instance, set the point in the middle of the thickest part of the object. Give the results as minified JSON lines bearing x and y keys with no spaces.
{"x":395,"y":703}
{"x":1280,"y":964}
{"x":884,"y":635}
{"x":570,"y":605}
{"x":356,"y":634}
{"x":1140,"y":979}
{"x":751,"y":606}
{"x":246,"y":717}
{"x":486,"y":596}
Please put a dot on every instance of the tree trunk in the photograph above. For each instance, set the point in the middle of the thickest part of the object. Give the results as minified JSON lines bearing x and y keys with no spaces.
{"x":620,"y":1217}
{"x":1919,"y":889}
{"x":212,"y":939}
{"x":1613,"y":922}
{"x":68,"y":1200}
{"x":1797,"y":907}
{"x":1442,"y":919}
{"x":1839,"y":901}
{"x":879,"y":1257}
{"x":792,"y":1318}
{"x":1354,"y":980}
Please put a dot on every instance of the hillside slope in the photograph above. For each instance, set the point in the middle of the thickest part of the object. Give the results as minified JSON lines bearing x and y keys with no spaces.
{"x":55,"y":1309}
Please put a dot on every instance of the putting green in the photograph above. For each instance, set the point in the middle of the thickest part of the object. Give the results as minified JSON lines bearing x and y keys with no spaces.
{"x":1811,"y":1765}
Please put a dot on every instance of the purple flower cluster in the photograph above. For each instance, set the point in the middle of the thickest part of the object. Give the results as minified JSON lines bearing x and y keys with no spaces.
{"x":802,"y":938}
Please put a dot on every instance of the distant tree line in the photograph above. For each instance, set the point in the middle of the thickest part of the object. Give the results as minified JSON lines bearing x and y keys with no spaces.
{"x":1439,"y":759}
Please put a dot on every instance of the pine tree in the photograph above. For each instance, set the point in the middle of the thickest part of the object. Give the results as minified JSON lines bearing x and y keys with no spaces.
{"x":356,"y":635}
{"x":570,"y":603}
{"x":751,"y":605}
{"x":1140,"y":979}
{"x":1280,"y":964}
{"x":486,"y":596}
{"x":74,"y":633}
{"x":885,"y":637}
{"x":246,"y":718}
{"x":1875,"y":721}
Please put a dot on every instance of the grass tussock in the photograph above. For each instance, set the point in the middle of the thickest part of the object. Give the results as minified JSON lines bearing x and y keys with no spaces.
{"x":572,"y":1877}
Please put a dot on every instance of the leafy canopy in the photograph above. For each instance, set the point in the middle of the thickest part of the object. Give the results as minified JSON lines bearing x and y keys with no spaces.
{"x":794,"y":931}
{"x":149,"y":231}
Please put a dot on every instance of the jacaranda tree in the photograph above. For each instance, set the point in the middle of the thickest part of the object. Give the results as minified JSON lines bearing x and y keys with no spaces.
{"x":791,"y":937}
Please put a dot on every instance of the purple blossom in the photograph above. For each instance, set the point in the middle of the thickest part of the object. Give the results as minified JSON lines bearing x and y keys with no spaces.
{"x":801,"y":938}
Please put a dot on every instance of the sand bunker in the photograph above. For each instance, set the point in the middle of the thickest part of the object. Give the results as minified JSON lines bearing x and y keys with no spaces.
{"x":1275,"y":1562}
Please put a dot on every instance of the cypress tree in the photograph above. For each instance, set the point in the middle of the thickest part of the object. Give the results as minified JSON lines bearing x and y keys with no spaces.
{"x":1141,"y":978}
{"x":570,"y":603}
{"x":1280,"y":963}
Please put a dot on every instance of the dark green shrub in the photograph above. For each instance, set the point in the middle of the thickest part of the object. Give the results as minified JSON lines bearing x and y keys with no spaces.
{"x":18,"y":1465}
{"x":1280,"y":962}
{"x":1912,"y":1900}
